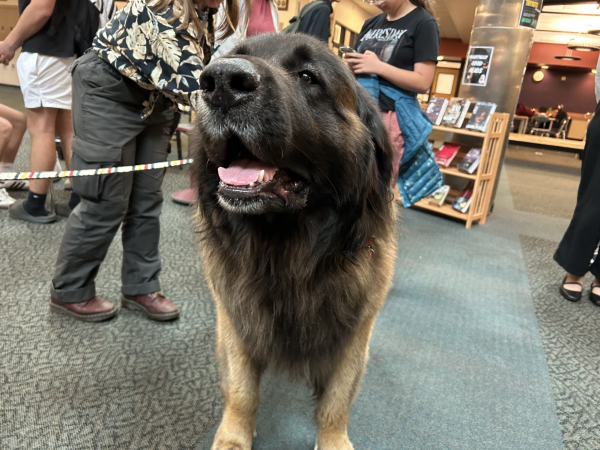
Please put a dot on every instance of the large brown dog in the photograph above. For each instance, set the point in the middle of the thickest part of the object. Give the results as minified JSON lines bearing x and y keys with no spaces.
{"x":297,"y":223}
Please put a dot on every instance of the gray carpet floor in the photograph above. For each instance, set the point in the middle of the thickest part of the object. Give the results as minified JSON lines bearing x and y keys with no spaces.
{"x":473,"y":350}
{"x":570,"y":335}
{"x":543,"y":182}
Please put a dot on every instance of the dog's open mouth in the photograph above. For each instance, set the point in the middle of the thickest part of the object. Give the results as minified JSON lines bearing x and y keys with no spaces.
{"x":249,"y":185}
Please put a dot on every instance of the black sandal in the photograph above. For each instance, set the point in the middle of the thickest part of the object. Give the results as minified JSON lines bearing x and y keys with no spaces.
{"x":573,"y":296}
{"x":594,"y":298}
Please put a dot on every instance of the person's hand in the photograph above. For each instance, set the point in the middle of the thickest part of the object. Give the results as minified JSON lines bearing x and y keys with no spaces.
{"x":367,"y":62}
{"x":7,"y":52}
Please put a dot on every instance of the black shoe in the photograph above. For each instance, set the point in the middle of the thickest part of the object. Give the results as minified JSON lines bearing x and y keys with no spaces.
{"x":595,"y":299}
{"x":16,"y":211}
{"x":572,"y":296}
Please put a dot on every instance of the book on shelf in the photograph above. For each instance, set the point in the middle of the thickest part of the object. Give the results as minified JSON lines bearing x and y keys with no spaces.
{"x":456,"y":111}
{"x":470,"y":162}
{"x":439,"y":195}
{"x":446,"y":153}
{"x":463,"y":201}
{"x":481,"y":116}
{"x":436,"y":109}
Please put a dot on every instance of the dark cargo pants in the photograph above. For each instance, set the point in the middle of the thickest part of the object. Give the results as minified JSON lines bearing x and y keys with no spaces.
{"x":110,"y":132}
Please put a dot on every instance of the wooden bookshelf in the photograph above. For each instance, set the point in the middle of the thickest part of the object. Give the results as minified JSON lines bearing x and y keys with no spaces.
{"x":483,"y":178}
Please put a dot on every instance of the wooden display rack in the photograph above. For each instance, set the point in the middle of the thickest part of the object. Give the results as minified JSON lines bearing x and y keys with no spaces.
{"x":483,"y":178}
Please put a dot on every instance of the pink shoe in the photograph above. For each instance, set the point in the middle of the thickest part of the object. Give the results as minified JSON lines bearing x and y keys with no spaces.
{"x":185,"y":196}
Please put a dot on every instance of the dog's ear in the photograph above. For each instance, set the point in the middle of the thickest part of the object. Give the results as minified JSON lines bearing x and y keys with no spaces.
{"x":370,"y":114}
{"x":377,"y":197}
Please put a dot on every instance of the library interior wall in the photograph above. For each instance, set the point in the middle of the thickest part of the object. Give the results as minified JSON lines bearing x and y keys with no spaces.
{"x":346,"y":12}
{"x":574,"y":89}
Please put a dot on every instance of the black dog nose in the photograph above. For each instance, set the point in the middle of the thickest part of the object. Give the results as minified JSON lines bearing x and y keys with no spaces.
{"x":228,"y":83}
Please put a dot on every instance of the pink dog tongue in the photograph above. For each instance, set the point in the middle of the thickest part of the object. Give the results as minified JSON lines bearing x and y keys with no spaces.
{"x":242,"y":172}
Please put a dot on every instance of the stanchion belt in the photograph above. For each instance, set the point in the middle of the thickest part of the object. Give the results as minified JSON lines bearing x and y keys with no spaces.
{"x":91,"y":172}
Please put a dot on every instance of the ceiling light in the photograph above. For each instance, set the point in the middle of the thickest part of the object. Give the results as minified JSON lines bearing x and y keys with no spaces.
{"x":440,"y":58}
{"x":594,"y":71}
{"x":582,"y":45}
{"x":569,"y":56}
{"x":545,"y":67}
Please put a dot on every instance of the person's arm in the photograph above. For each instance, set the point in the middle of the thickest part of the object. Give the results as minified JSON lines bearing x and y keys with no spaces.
{"x":34,"y":17}
{"x":316,"y":23}
{"x":419,"y":80}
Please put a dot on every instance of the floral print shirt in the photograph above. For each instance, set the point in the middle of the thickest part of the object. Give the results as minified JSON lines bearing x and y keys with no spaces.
{"x":150,"y":49}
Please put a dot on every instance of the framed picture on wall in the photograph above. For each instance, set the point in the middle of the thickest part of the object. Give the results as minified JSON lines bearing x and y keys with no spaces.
{"x":282,"y":5}
{"x":342,"y":36}
{"x":337,"y":33}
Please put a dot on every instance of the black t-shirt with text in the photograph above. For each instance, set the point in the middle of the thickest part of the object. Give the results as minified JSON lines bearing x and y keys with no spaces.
{"x":401,"y":43}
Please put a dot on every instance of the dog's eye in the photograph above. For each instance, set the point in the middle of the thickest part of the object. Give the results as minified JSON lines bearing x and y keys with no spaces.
{"x":308,"y":77}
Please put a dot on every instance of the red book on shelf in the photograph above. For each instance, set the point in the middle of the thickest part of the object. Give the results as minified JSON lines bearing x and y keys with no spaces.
{"x":446,"y":154}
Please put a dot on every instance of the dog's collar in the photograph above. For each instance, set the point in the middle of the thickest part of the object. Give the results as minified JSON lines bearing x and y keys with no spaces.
{"x":369,"y":248}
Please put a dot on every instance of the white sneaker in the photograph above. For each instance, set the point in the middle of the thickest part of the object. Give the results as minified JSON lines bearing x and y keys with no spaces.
{"x":5,"y":199}
{"x":15,"y":185}
{"x":68,"y":186}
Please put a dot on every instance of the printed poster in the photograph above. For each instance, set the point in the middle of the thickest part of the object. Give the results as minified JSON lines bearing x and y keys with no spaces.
{"x":530,"y":13}
{"x":477,"y":69}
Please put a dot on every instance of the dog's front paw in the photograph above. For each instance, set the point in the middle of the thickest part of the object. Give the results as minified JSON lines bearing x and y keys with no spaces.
{"x":334,"y":442}
{"x":232,"y":439}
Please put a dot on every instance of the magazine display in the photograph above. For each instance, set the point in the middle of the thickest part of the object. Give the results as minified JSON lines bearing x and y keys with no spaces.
{"x":439,"y":196}
{"x":446,"y":154}
{"x":481,"y":116}
{"x":470,"y":162}
{"x":463,"y":201}
{"x":456,"y":111}
{"x":436,"y":109}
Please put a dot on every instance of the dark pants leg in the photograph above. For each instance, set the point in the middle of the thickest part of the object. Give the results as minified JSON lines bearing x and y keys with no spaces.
{"x":108,"y":132}
{"x":581,"y":238}
{"x":141,"y":228}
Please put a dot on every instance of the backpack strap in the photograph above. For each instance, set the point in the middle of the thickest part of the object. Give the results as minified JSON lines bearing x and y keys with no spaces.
{"x":306,"y":9}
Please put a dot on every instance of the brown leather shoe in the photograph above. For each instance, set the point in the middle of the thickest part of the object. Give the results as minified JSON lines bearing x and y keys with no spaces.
{"x":155,"y":306}
{"x":95,"y":310}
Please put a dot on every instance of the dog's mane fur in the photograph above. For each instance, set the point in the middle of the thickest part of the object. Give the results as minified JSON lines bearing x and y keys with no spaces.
{"x":297,"y":284}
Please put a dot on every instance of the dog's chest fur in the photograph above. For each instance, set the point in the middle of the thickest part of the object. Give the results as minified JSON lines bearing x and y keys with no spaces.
{"x":288,"y":300}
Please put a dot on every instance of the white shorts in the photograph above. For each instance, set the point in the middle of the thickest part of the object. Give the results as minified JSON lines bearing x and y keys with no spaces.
{"x":45,"y":80}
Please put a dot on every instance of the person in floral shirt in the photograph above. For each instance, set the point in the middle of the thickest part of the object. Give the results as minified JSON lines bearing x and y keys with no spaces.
{"x":142,"y":63}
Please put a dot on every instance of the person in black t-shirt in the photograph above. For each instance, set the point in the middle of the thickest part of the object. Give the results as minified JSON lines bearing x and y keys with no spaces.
{"x":46,"y":52}
{"x":401,"y":47}
{"x":316,"y":21}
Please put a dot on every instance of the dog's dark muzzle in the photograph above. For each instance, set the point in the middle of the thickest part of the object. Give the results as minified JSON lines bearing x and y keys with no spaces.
{"x":229,"y":82}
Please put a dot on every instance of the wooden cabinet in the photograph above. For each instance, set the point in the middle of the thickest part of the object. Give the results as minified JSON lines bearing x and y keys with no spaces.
{"x":9,"y":14}
{"x":484,"y":177}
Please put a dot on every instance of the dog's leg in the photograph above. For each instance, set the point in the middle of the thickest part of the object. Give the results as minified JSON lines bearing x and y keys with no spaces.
{"x":240,"y":378}
{"x":339,"y":391}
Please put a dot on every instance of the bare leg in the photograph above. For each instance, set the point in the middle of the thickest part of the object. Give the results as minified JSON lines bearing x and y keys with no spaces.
{"x":240,"y":378}
{"x":42,"y":126}
{"x":6,"y":130}
{"x":64,"y":129}
{"x":334,"y":403}
{"x":18,"y":124}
